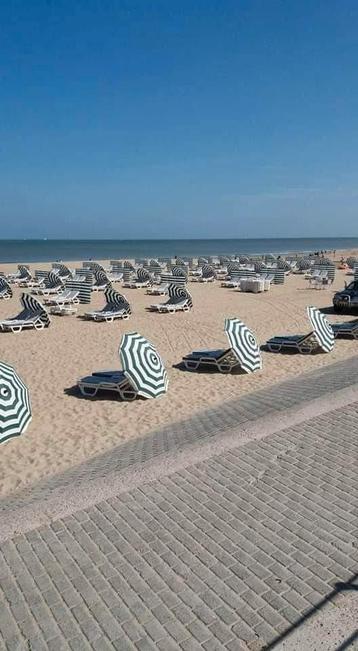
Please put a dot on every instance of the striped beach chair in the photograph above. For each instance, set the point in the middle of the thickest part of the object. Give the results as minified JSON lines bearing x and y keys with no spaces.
{"x":143,"y":372}
{"x":67,"y":297}
{"x":143,"y":279}
{"x":101,"y":281}
{"x":321,"y":338}
{"x":5,"y":289}
{"x":117,"y":307}
{"x":23,"y":274}
{"x":207,"y":274}
{"x":52,"y":285}
{"x":243,"y":352}
{"x":347,"y":329}
{"x":179,"y":300}
{"x":33,"y":315}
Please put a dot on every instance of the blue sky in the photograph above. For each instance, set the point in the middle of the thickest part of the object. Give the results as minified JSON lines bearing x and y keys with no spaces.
{"x":168,"y":118}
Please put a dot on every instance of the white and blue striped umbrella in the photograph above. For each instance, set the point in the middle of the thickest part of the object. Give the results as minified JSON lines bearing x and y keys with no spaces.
{"x":143,"y":366}
{"x":321,"y":329}
{"x":15,"y":409}
{"x":244,"y":344}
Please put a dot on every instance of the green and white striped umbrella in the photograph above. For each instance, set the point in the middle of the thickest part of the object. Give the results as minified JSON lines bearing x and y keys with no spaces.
{"x":244,"y":344}
{"x":322,"y":329}
{"x":143,"y":366}
{"x":15,"y":409}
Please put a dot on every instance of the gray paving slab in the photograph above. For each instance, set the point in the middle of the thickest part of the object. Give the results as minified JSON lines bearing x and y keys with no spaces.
{"x":252,"y":416}
{"x":232,"y":552}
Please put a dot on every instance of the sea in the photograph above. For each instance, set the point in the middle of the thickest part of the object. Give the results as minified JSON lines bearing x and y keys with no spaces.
{"x":54,"y":250}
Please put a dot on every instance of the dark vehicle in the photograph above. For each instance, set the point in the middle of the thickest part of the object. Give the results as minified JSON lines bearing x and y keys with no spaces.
{"x":347,"y":299}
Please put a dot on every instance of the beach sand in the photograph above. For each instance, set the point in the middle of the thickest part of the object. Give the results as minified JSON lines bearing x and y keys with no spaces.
{"x":66,"y":429}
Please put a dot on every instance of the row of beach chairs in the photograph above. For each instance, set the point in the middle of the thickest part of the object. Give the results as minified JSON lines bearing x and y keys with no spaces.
{"x":243,"y":354}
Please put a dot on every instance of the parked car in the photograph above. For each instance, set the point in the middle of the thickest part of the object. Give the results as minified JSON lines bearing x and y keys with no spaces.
{"x":347,"y":299}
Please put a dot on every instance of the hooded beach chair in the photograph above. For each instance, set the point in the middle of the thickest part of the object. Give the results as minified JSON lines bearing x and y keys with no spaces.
{"x":53,"y":285}
{"x":321,"y":338}
{"x":33,"y":315}
{"x":143,"y":372}
{"x":243,"y":352}
{"x":207,"y":274}
{"x":179,"y":300}
{"x":165,"y":281}
{"x":62,"y":270}
{"x":5,"y":289}
{"x":101,"y":281}
{"x":23,"y":274}
{"x":346,"y":329}
{"x":143,"y":279}
{"x":117,"y":307}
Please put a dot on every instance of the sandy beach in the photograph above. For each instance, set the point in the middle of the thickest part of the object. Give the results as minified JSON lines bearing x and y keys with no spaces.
{"x":67,"y":429}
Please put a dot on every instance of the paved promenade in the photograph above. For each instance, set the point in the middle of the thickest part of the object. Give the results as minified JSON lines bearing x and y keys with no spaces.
{"x":239,"y":535}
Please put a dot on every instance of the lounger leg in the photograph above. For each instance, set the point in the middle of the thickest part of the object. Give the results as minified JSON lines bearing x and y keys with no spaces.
{"x":88,"y":392}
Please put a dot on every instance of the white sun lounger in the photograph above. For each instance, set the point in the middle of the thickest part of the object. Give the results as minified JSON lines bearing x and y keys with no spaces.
{"x":33,"y":316}
{"x":68,"y":297}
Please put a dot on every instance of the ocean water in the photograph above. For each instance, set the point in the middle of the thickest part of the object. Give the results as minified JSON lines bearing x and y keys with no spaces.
{"x":51,"y":250}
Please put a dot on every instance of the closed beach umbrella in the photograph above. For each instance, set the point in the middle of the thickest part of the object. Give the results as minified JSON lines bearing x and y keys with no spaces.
{"x":244,"y":344}
{"x":321,"y":328}
{"x":15,"y":409}
{"x":143,"y":366}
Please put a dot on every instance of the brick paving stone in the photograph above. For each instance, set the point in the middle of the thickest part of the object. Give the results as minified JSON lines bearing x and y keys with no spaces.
{"x":220,"y":554}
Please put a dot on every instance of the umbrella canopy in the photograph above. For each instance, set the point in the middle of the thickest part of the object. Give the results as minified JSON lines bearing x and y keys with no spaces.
{"x":15,"y":409}
{"x":244,"y":344}
{"x":143,"y":366}
{"x":321,"y":328}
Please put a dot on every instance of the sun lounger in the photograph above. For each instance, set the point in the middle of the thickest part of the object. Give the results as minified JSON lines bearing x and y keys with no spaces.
{"x":33,"y":283}
{"x":207,"y":274}
{"x":179,"y":300}
{"x":107,"y":381}
{"x":23,"y":274}
{"x":5,"y":289}
{"x":143,"y":372}
{"x":33,"y":316}
{"x":143,"y":280}
{"x":102,"y":281}
{"x":244,"y":352}
{"x":117,"y":307}
{"x":158,"y":290}
{"x":67,"y":297}
{"x":320,"y":339}
{"x":53,"y":285}
{"x":346,"y":329}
